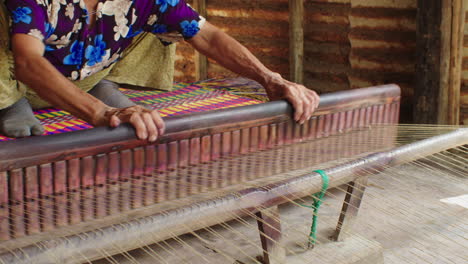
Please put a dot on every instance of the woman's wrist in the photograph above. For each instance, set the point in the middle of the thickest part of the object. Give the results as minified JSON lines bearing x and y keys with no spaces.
{"x":101,"y":115}
{"x":270,"y":78}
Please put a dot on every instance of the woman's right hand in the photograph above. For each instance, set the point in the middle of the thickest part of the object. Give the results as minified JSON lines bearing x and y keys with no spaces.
{"x":148,"y":123}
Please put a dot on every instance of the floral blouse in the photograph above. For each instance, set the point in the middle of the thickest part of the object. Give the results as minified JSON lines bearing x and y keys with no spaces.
{"x":78,"y":50}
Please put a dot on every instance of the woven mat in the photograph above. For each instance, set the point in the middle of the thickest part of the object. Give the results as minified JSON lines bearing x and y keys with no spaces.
{"x":186,"y":98}
{"x":239,"y":86}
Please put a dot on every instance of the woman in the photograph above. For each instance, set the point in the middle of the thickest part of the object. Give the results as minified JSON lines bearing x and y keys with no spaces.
{"x":64,"y":48}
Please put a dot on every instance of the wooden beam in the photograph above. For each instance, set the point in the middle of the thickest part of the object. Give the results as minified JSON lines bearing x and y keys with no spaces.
{"x":296,"y":40}
{"x":269,"y":225}
{"x":350,"y":209}
{"x":453,"y":100}
{"x":439,"y":61}
{"x":201,"y":61}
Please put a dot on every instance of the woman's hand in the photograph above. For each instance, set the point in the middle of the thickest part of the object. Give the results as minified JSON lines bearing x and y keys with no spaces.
{"x":304,"y":101}
{"x":148,"y":123}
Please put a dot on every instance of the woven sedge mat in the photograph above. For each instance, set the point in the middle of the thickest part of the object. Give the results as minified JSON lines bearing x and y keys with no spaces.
{"x":240,"y":86}
{"x":186,"y":98}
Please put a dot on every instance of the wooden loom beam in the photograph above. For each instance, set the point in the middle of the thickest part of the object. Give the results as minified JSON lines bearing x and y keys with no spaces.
{"x":99,"y":156}
{"x":25,"y":152}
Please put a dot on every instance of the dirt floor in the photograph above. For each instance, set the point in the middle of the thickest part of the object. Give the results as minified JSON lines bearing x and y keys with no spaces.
{"x":401,"y":211}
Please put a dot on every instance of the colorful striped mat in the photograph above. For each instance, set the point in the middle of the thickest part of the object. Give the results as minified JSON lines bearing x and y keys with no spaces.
{"x":186,"y":98}
{"x":239,"y":86}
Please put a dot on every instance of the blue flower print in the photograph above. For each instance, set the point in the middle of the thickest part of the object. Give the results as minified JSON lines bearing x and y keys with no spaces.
{"x":164,"y":3}
{"x":49,"y":48}
{"x":189,"y":29}
{"x":21,"y":14}
{"x":49,"y":30}
{"x":76,"y":54}
{"x":159,"y":29}
{"x":131,"y":33}
{"x":95,"y":53}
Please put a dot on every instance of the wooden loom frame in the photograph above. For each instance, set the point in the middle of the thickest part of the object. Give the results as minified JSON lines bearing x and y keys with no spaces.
{"x":58,"y":158}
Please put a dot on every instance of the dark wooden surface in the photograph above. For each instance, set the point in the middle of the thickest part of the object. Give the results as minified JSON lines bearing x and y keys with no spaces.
{"x":271,"y":237}
{"x":201,"y":61}
{"x":38,"y":150}
{"x":439,"y":46}
{"x":296,"y":40}
{"x":4,"y":210}
{"x":351,"y":205}
{"x":428,"y":45}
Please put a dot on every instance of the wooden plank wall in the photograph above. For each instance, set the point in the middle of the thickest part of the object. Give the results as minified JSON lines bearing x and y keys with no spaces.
{"x":261,"y":25}
{"x":359,"y":43}
{"x":327,"y":46}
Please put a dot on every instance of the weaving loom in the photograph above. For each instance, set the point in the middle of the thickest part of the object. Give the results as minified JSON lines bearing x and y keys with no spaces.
{"x":85,"y":195}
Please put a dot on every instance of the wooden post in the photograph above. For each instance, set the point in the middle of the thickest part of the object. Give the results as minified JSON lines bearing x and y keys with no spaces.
{"x":439,"y":61}
{"x":350,"y":209}
{"x":296,"y":40}
{"x":201,"y":62}
{"x":456,"y":63}
{"x":269,"y":226}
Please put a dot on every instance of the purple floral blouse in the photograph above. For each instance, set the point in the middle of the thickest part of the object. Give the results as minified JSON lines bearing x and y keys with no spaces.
{"x":77,"y":50}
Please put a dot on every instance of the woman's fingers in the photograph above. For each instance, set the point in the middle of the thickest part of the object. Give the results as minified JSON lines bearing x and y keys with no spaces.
{"x":137,"y":122}
{"x":114,"y":121}
{"x":315,"y":97}
{"x":158,"y":122}
{"x":150,"y":127}
{"x":298,"y":106}
{"x":308,"y":110}
{"x":304,"y":102}
{"x":148,"y":123}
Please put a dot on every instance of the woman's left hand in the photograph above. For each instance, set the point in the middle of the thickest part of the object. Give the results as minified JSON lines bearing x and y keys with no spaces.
{"x":304,"y":100}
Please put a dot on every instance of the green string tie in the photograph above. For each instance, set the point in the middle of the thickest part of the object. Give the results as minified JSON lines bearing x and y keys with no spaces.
{"x":318,"y":199}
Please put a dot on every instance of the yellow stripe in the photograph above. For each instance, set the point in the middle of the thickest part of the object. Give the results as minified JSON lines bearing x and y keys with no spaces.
{"x":69,"y":124}
{"x":179,"y":108}
{"x":165,"y":111}
{"x":57,"y":125}
{"x":49,"y":129}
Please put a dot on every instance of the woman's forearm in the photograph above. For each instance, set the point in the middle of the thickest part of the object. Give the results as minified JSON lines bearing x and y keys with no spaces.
{"x":217,"y":45}
{"x":41,"y":76}
{"x":229,"y":53}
